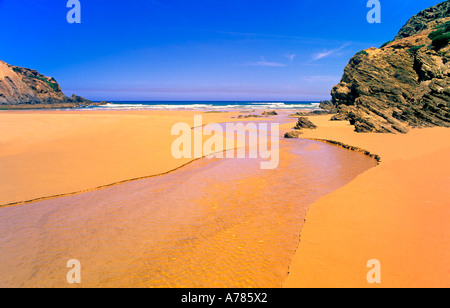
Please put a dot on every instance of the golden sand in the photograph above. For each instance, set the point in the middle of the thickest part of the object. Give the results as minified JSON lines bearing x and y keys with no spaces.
{"x":397,"y":213}
{"x":47,"y":153}
{"x":213,"y":223}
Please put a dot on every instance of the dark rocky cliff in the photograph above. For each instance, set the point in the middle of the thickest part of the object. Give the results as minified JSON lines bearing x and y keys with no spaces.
{"x":405,"y":83}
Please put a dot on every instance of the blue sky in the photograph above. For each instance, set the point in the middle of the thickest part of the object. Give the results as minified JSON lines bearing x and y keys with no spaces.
{"x":196,"y":49}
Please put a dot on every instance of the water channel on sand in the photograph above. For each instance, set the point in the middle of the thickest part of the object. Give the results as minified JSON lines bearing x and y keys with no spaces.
{"x":212,"y":223}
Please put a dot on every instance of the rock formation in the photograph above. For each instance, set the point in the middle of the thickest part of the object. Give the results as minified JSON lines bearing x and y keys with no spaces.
{"x":249,"y":116}
{"x":269,"y":113}
{"x":303,"y":122}
{"x":327,"y":106}
{"x":405,"y":83}
{"x":293,"y":134}
{"x":27,"y":88}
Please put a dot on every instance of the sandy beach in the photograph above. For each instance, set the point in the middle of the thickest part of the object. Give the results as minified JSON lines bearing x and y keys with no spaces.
{"x":61,"y":152}
{"x":164,"y":231}
{"x":257,"y":145}
{"x":397,"y":213}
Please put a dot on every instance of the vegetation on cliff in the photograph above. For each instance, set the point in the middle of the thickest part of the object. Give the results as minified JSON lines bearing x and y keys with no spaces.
{"x":26,"y":88}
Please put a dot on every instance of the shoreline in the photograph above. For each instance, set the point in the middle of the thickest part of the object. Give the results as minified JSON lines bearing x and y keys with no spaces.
{"x":194,"y":105}
{"x":59,"y":106}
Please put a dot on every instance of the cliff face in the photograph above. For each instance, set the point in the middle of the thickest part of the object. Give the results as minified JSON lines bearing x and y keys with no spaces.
{"x":405,"y":83}
{"x":22,"y":87}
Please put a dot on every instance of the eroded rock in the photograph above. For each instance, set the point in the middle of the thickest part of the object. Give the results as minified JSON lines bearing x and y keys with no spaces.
{"x":406,"y":83}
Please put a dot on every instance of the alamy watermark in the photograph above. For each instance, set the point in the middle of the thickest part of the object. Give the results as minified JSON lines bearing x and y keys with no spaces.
{"x":374,"y":275}
{"x":74,"y":15}
{"x":190,"y":143}
{"x":374,"y":15}
{"x":74,"y":274}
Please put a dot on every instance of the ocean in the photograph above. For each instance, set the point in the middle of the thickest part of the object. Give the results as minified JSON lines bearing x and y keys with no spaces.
{"x":208,"y":105}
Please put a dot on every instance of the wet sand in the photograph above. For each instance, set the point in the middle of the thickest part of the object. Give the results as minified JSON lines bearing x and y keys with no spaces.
{"x":397,"y":213}
{"x":212,"y":223}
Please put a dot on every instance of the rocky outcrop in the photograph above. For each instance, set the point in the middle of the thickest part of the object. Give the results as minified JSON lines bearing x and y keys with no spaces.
{"x":269,"y":113}
{"x":303,"y":122}
{"x":21,"y":87}
{"x":424,"y":20}
{"x":328,"y":106}
{"x":405,"y":83}
{"x":249,"y":116}
{"x":293,"y":134}
{"x":310,"y":113}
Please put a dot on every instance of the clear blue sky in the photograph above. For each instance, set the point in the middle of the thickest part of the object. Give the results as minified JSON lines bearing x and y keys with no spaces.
{"x":196,"y":49}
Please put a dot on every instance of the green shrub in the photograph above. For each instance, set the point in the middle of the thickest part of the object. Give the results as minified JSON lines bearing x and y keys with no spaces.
{"x":414,"y":49}
{"x":362,"y":52}
{"x":54,"y":86}
{"x":440,"y":37}
{"x":435,"y":34}
{"x":441,"y":40}
{"x":445,"y":26}
{"x":51,"y":83}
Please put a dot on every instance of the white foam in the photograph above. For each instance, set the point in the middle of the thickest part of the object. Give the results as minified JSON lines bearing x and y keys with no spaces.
{"x":200,"y":106}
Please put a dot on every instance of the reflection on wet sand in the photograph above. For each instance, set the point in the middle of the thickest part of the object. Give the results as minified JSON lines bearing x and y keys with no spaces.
{"x":213,"y":223}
